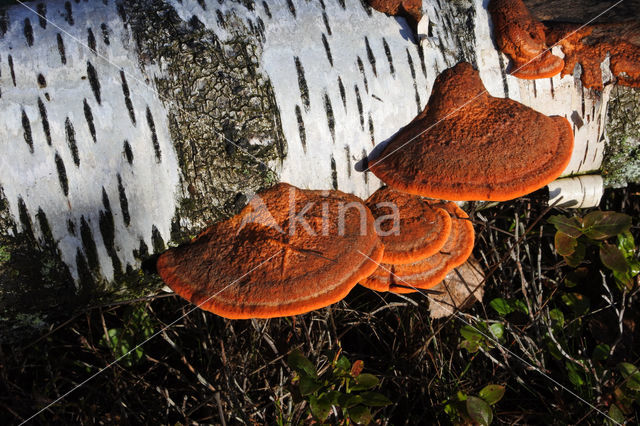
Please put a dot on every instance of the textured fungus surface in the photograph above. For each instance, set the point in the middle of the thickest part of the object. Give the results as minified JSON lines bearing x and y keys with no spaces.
{"x":421,"y":230}
{"x":288,"y":252}
{"x":411,"y":10}
{"x":468,"y":145}
{"x":522,"y":37}
{"x":589,"y":46}
{"x":427,"y":273}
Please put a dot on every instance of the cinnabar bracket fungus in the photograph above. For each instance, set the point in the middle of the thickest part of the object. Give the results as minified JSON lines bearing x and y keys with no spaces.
{"x":589,"y":46}
{"x":522,"y":37}
{"x":288,"y":252}
{"x":467,"y":145}
{"x":427,"y":273}
{"x":410,"y":228}
{"x":411,"y":10}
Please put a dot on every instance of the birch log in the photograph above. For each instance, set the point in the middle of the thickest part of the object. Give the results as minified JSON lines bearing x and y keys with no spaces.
{"x":127,"y":126}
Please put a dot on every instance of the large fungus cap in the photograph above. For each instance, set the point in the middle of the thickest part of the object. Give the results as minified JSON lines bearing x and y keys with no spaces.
{"x":288,"y":252}
{"x":412,"y":229}
{"x":522,"y":37}
{"x":467,"y":145}
{"x":428,"y":272}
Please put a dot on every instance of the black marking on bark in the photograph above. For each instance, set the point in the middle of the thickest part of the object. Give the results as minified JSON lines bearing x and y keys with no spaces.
{"x":503,"y":72}
{"x":302,"y":83}
{"x":413,"y":76}
{"x":45,"y":230}
{"x":88,"y":115}
{"x":220,"y":19}
{"x":124,"y":202}
{"x":322,"y":5}
{"x":93,"y":81}
{"x":291,"y":7}
{"x":71,"y":140}
{"x":26,"y":127}
{"x":71,"y":227}
{"x":127,"y":97}
{"x":582,"y":98}
{"x":266,"y":9}
{"x":4,"y":23}
{"x":367,"y":8}
{"x":156,"y":240}
{"x":105,"y":33}
{"x":154,"y":135}
{"x":325,"y":18}
{"x":142,"y":252}
{"x":89,"y":244}
{"x":535,"y":89}
{"x":364,"y":76}
{"x":68,"y":13}
{"x":371,"y":131}
{"x":365,"y":164}
{"x":85,"y":278}
{"x":63,"y":56}
{"x":28,"y":32}
{"x":202,"y":4}
{"x":25,"y":219}
{"x":387,"y":52}
{"x":342,"y":3}
{"x":45,"y":121}
{"x":331,"y":122}
{"x":347,"y":153}
{"x":196,"y":24}
{"x":334,"y":173}
{"x":301,"y":131}
{"x":359,"y":103}
{"x":62,"y":175}
{"x":370,"y":56}
{"x":42,"y":82}
{"x":122,"y":13}
{"x":13,"y":73}
{"x":91,"y":40}
{"x":327,"y":49}
{"x":128,"y":154}
{"x":423,"y":65}
{"x":343,"y":94}
{"x":107,"y":230}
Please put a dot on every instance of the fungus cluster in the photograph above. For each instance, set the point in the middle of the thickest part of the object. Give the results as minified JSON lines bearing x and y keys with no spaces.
{"x":527,"y":41}
{"x":467,"y":145}
{"x":411,"y":10}
{"x":422,"y":268}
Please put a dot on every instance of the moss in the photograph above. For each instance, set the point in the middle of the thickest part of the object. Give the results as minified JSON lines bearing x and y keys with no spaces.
{"x":622,"y":157}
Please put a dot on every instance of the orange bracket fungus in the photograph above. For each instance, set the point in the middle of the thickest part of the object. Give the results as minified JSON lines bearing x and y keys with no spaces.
{"x":467,"y":145}
{"x":411,"y":10}
{"x":589,"y":46}
{"x":427,"y":273}
{"x":522,"y":37}
{"x":288,"y":252}
{"x":418,"y":229}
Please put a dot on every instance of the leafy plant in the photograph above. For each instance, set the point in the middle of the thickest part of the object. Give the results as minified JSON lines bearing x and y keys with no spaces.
{"x":136,"y":328}
{"x":481,"y":335}
{"x":463,"y":408}
{"x":343,"y":385}
{"x":574,"y":235}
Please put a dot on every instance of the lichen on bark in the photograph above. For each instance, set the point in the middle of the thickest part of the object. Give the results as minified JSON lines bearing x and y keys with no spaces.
{"x":622,"y":158}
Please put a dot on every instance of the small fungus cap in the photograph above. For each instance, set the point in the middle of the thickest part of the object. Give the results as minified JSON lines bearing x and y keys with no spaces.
{"x":428,"y":272}
{"x":467,"y":145}
{"x":410,"y":227}
{"x":284,"y":254}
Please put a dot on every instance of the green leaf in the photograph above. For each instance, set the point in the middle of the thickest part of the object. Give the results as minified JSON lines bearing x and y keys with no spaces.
{"x":349,"y":400}
{"x":577,"y":257}
{"x":557,"y":316}
{"x":612,"y":258}
{"x":571,"y":226}
{"x":360,"y":414}
{"x":343,"y":363}
{"x":308,"y":385}
{"x":492,"y":393}
{"x":320,"y":407}
{"x":365,"y":381}
{"x":479,"y":411}
{"x":632,"y":375}
{"x":471,"y":334}
{"x":565,"y":244}
{"x":521,"y":306}
{"x":501,"y":306}
{"x":574,"y":374}
{"x":616,"y":414}
{"x":626,"y":244}
{"x":374,"y":399}
{"x":334,"y":397}
{"x":301,"y":364}
{"x":471,"y":347}
{"x":601,"y":352}
{"x":600,"y":225}
{"x":497,"y":329}
{"x":578,"y":303}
